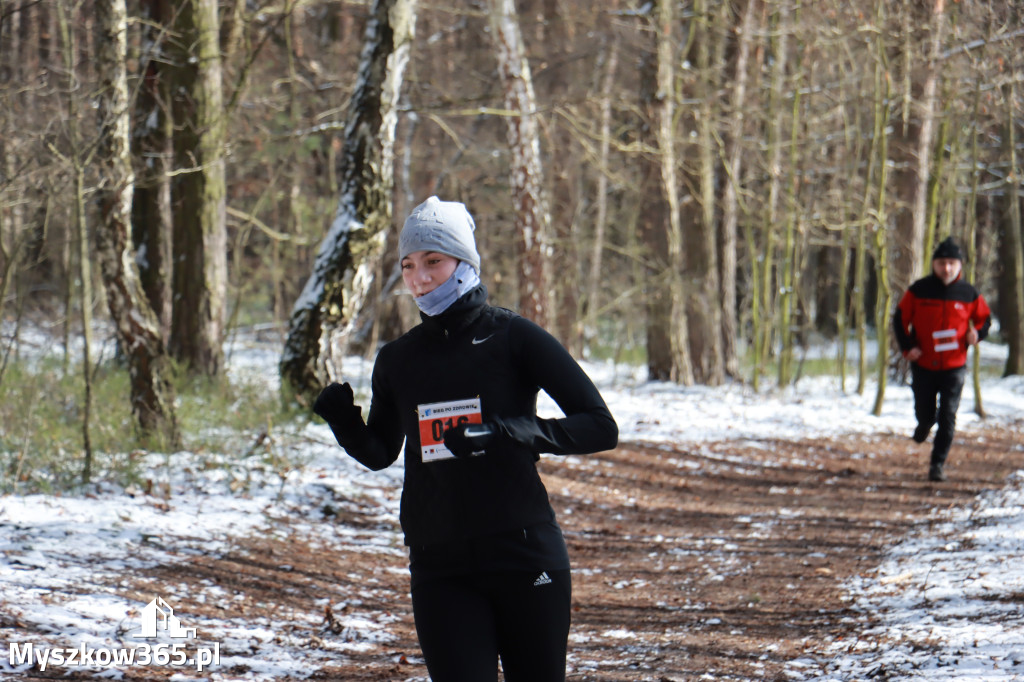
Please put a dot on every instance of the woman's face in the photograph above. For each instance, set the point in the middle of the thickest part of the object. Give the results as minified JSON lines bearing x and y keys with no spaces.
{"x":424,"y":271}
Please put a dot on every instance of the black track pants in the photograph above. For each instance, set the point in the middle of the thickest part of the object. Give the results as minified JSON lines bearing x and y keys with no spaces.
{"x":465,"y":623}
{"x":946,"y":386}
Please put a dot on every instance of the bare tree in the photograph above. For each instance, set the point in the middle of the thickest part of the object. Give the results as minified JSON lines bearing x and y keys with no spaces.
{"x":79,"y":157}
{"x":682,"y":367}
{"x":654,"y":234}
{"x":699,"y":231}
{"x":654,"y":269}
{"x":15,"y":237}
{"x":347,"y":259}
{"x":971,"y":238}
{"x":1013,"y":244}
{"x":137,"y":329}
{"x":562,"y":185}
{"x":762,"y":253}
{"x":593,"y":296}
{"x":199,"y":272}
{"x":733,"y":170}
{"x":789,"y":268}
{"x":766,"y":125}
{"x":532,"y":215}
{"x":151,"y":141}
{"x":879,"y":212}
{"x":915,"y":135}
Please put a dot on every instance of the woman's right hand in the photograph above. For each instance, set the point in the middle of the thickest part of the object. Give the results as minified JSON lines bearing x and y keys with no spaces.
{"x":336,"y":404}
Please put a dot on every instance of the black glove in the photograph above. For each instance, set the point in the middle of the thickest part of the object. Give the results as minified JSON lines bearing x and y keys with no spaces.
{"x":469,"y":439}
{"x":336,"y":404}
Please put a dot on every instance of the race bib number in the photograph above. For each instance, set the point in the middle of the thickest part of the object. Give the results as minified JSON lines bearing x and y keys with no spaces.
{"x":435,"y":418}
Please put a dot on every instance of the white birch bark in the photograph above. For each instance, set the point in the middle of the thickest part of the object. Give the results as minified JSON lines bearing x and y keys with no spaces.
{"x":925,"y":141}
{"x":531,"y":209}
{"x":348,"y":256}
{"x":137,"y":329}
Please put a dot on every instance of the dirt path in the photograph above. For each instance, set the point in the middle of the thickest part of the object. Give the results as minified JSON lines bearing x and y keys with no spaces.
{"x":727,"y":561}
{"x":720,"y":562}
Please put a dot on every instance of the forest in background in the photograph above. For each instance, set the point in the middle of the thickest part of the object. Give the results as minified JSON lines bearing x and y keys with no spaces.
{"x":704,"y":185}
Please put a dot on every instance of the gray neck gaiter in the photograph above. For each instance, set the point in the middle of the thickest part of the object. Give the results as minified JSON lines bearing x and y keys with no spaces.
{"x":437,"y":301}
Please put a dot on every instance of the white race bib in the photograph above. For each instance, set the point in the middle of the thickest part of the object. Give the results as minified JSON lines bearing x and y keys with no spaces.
{"x":945,"y":339}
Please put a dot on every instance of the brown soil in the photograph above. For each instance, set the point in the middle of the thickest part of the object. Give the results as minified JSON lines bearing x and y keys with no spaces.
{"x":723,"y":561}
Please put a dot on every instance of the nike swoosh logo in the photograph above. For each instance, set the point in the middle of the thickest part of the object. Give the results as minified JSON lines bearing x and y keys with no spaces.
{"x":478,"y":431}
{"x":476,"y":340}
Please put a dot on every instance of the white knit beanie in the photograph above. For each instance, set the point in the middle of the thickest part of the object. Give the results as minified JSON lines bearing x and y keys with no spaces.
{"x":442,"y":226}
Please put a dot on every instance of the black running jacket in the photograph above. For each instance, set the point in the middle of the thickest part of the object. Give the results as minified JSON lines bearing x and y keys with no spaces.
{"x":476,"y":363}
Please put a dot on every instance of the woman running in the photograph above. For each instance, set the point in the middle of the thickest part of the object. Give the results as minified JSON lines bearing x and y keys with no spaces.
{"x":488,"y":563}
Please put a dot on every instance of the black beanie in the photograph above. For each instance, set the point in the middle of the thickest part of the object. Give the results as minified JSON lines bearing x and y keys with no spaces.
{"x":947,"y":249}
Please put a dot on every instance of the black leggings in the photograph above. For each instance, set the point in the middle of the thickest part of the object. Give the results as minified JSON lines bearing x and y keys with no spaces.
{"x":465,"y":623}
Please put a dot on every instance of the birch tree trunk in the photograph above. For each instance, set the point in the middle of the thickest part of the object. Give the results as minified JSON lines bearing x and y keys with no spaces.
{"x":682,"y":367}
{"x":733,"y":169}
{"x":199,"y":273}
{"x":926,"y":171}
{"x":348,"y":255}
{"x":152,"y":395}
{"x":532,"y":215}
{"x":883,"y":301}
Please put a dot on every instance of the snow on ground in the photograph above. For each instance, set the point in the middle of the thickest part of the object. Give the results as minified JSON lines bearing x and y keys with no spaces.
{"x":62,"y":558}
{"x":949,"y":601}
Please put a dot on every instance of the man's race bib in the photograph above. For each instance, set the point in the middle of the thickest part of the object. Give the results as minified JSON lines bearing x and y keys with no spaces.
{"x":435,"y":418}
{"x":945,"y":339}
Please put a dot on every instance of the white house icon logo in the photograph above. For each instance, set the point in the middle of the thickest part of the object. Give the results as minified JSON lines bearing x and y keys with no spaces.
{"x":158,"y":615}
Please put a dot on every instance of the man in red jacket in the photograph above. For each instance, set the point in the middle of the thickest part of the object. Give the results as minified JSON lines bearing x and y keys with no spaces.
{"x":936,"y":320}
